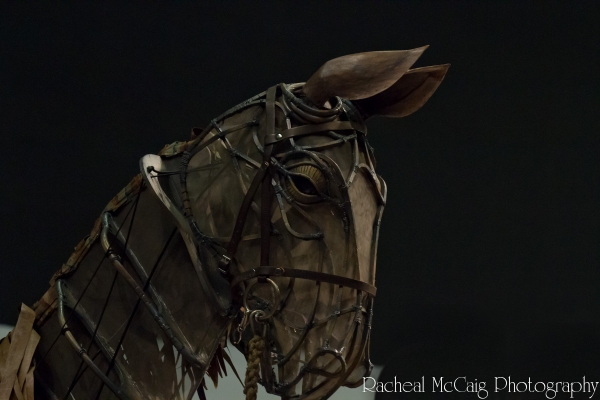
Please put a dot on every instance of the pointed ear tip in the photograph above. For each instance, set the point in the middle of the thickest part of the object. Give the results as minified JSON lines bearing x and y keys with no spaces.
{"x":440,"y":68}
{"x":437,"y":66}
{"x":419,"y":50}
{"x":444,"y":68}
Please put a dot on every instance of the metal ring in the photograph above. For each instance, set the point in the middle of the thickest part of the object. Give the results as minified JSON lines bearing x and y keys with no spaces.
{"x":256,"y":313}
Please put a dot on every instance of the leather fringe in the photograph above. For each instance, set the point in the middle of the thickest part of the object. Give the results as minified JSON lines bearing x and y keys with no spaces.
{"x":16,"y":358}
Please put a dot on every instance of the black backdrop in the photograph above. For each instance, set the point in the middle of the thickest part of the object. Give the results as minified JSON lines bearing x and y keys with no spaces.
{"x":489,"y":250}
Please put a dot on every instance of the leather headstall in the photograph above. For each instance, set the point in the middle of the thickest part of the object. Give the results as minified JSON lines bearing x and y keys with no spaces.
{"x":271,"y":137}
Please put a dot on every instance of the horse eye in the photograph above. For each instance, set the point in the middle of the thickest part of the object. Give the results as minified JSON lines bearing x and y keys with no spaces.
{"x":306,"y":183}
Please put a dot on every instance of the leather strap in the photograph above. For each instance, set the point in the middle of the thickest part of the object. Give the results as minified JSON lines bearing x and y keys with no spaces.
{"x":23,"y":338}
{"x":236,"y":236}
{"x":303,"y":274}
{"x":266,"y":199}
{"x":310,"y":129}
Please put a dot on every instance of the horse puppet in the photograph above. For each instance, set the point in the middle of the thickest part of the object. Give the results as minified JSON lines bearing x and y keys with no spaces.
{"x":262,"y":229}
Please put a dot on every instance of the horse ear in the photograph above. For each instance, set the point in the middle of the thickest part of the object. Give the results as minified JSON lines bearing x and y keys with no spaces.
{"x":361,"y":75}
{"x":405,"y":96}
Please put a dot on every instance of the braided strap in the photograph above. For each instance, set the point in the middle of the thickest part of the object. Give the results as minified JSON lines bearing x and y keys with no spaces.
{"x":256,"y":348}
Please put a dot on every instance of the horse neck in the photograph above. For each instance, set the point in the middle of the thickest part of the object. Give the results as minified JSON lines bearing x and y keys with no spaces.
{"x":129,"y":340}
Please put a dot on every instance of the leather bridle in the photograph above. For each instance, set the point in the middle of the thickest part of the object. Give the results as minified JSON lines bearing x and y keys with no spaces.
{"x":316,"y":121}
{"x":262,"y":175}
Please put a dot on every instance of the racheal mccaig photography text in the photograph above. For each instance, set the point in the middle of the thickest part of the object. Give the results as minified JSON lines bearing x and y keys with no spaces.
{"x":481,"y":388}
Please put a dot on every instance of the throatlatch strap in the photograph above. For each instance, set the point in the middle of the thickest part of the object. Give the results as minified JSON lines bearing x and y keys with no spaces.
{"x":258,"y":179}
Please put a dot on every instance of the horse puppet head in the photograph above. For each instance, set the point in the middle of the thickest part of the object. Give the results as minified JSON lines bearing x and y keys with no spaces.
{"x":280,"y":206}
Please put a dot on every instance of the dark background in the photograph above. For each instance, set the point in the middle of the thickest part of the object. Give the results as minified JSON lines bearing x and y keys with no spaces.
{"x":489,"y":249}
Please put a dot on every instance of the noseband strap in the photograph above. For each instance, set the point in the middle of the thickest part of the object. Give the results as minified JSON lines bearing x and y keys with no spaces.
{"x":304,"y":274}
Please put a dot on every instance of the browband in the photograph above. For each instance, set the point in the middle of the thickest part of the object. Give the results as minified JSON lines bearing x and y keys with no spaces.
{"x":310,"y":129}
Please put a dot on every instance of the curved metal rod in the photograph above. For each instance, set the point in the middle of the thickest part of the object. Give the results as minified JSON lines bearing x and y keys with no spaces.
{"x":195,"y":148}
{"x":308,"y":369}
{"x":344,"y":206}
{"x":355,"y":154}
{"x":363,"y":342}
{"x":323,"y":146}
{"x":351,"y":367}
{"x":346,"y":310}
{"x":115,"y":259}
{"x":288,"y":94}
{"x":305,"y":331}
{"x":79,"y":349}
{"x":303,"y":236}
{"x":197,"y":169}
{"x":358,"y":308}
{"x":284,"y":387}
{"x":333,"y":321}
{"x":255,"y":100}
{"x":309,"y":324}
{"x":253,"y":163}
{"x":105,"y":348}
{"x":257,"y":141}
{"x":353,"y":327}
{"x":374,"y":180}
{"x":319,"y":371}
{"x":115,"y":230}
{"x":287,"y":294}
{"x":297,"y":117}
{"x":376,"y":225}
{"x":368,"y":364}
{"x":236,"y":165}
{"x":307,"y":116}
{"x":369,"y":152}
